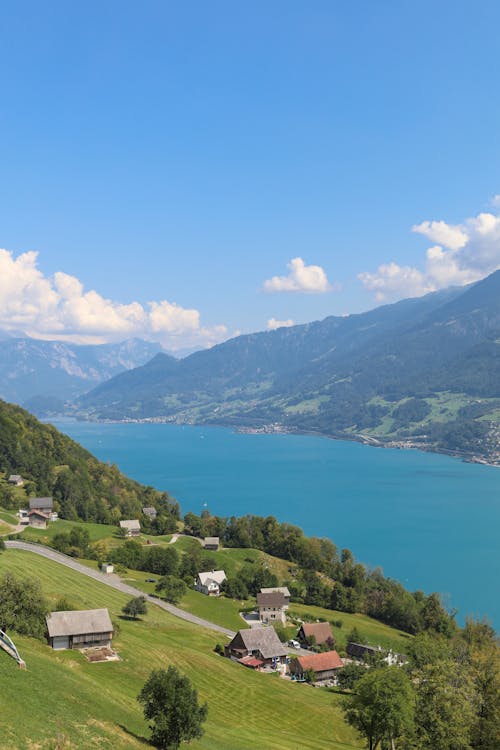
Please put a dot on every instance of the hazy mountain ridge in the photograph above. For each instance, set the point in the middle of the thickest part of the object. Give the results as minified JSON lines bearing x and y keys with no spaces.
{"x":34,"y":371}
{"x":423,"y":372}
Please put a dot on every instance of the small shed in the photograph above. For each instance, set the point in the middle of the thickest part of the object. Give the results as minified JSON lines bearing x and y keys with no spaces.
{"x":79,"y":629}
{"x":211,"y":542}
{"x":132,"y":527}
{"x":16,"y":480}
{"x":107,"y":568}
{"x":37,"y":519}
{"x":362,"y":652}
{"x":150,"y":512}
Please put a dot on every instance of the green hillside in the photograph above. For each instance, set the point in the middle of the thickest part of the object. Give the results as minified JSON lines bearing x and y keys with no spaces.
{"x":53,"y":464}
{"x":63,"y":701}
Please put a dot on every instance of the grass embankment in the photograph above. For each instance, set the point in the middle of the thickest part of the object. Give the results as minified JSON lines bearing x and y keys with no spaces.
{"x":61,"y":697}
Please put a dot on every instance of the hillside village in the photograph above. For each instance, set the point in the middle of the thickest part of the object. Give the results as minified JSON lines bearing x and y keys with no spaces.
{"x":112,"y":601}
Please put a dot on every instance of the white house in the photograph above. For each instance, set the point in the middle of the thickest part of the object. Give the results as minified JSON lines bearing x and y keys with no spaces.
{"x":132,"y":527}
{"x":209,"y":583}
{"x":107,"y":568}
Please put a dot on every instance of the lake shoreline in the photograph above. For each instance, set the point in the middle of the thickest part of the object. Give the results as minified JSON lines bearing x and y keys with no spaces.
{"x":278,"y":429}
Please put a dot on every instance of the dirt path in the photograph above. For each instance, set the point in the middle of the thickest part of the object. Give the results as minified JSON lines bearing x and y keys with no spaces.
{"x":115,"y":583}
{"x":186,"y":536}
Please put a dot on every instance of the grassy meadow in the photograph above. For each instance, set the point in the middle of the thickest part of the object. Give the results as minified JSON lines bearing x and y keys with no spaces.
{"x":62,"y":701}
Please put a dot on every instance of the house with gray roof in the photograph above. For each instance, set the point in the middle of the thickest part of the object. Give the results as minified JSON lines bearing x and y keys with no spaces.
{"x":132,"y":527}
{"x":42,"y":504}
{"x":150,"y":512}
{"x":79,"y":629}
{"x":259,"y":644}
{"x":211,"y":542}
{"x":272,"y":607}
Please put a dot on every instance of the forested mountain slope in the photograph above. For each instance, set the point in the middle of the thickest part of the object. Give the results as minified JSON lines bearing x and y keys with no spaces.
{"x":424,"y":370}
{"x":54,"y":465}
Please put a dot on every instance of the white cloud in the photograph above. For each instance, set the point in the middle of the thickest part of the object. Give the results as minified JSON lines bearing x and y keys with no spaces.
{"x":59,"y":308}
{"x":301,"y":278}
{"x":445,"y":234}
{"x":273,"y":324}
{"x":464,"y":253}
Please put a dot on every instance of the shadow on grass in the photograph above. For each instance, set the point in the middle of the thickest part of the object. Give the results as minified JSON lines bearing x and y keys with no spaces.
{"x":130,"y":618}
{"x":139,"y":737}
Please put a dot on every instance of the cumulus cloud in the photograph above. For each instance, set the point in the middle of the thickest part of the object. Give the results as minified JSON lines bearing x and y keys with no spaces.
{"x":463,"y":253}
{"x":273,"y":324}
{"x":59,"y":308}
{"x":301,"y":278}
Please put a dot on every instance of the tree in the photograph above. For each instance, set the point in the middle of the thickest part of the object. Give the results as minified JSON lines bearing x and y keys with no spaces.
{"x":349,"y":675}
{"x":382,"y":709}
{"x":443,"y":713}
{"x":171,"y":706}
{"x":22,"y":605}
{"x":136,"y":606}
{"x":173,"y":588}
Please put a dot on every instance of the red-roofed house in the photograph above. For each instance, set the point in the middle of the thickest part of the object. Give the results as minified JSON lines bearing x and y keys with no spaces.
{"x":324,"y":665}
{"x":320,"y":631}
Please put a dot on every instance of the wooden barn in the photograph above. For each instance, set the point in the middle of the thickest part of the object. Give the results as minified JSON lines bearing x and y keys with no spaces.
{"x":79,"y":629}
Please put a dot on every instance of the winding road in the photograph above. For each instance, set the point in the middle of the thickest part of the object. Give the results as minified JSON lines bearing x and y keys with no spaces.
{"x":115,"y":582}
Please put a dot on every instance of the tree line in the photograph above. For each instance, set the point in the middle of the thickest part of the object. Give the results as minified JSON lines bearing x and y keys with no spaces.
{"x":327,"y":577}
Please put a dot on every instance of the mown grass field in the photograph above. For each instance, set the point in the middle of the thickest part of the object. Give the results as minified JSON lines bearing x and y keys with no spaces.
{"x":372,"y":631}
{"x":63,"y":701}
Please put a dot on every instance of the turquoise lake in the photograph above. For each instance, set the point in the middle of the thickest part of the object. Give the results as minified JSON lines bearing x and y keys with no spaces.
{"x":429,"y":520}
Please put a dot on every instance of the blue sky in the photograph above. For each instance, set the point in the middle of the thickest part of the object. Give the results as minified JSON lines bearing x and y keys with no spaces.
{"x":187,"y":152}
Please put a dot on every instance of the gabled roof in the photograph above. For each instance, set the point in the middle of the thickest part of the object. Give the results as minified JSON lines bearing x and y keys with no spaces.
{"x":321,"y":662}
{"x":280,"y":589}
{"x":150,"y":511}
{"x":264,"y":640}
{"x":82,"y":622}
{"x":132,"y":525}
{"x":212,"y":575}
{"x":39,"y":513}
{"x":211,"y":540}
{"x":360,"y":649}
{"x":321,"y":631}
{"x":273,"y":599}
{"x":15,"y":478}
{"x":41,"y":502}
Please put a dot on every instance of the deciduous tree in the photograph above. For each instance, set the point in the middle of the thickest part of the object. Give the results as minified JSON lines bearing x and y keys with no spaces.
{"x":171,"y":706}
{"x":382,"y":708}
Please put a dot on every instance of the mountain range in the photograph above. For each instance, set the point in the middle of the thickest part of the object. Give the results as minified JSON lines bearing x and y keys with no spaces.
{"x":42,"y":375}
{"x":422,"y":372}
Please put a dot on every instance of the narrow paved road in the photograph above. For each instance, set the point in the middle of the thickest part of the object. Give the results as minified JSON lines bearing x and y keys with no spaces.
{"x":115,"y":583}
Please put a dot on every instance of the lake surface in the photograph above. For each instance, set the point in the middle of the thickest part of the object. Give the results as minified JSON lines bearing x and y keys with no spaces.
{"x":429,"y":520}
